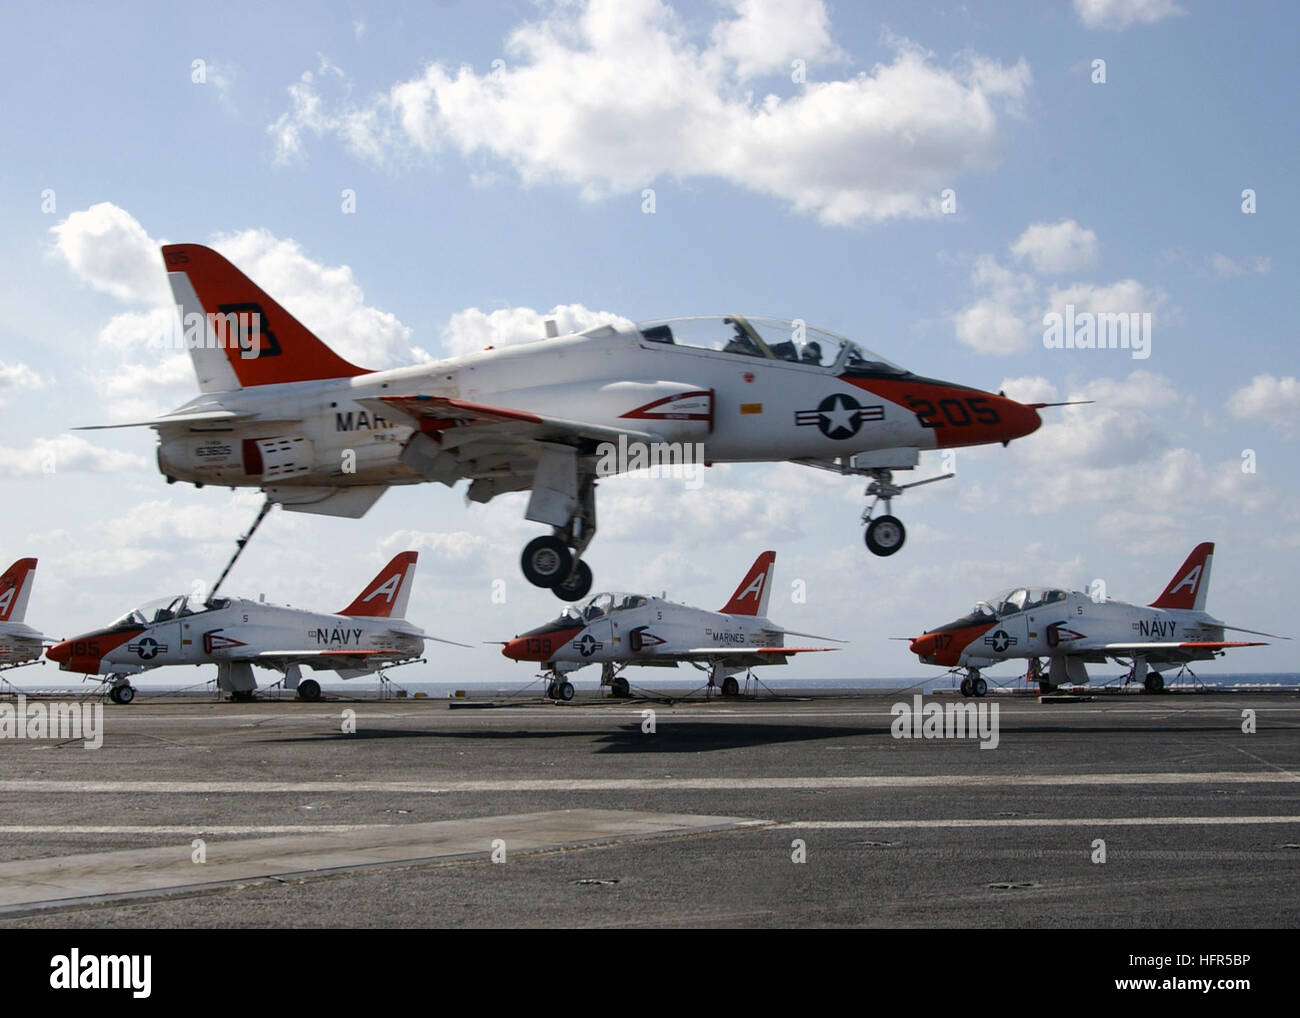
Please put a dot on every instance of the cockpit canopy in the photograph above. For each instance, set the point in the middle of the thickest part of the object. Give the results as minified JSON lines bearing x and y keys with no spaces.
{"x":603,"y":604}
{"x":167,"y":608}
{"x":1018,"y":599}
{"x":768,"y":338}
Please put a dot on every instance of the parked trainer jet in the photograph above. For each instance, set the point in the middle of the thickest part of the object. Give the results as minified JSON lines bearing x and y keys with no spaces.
{"x":20,"y":644}
{"x":235,"y":634}
{"x":282,"y":412}
{"x":1071,"y":630}
{"x":619,"y":630}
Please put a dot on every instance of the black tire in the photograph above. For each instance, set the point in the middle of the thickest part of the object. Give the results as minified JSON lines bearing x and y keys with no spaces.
{"x":309,"y":690}
{"x":1044,"y":686}
{"x":620,"y":688}
{"x":577,"y":586}
{"x":965,"y":687}
{"x":885,"y":535}
{"x":730,"y":687}
{"x":978,"y":686}
{"x":113,"y":694}
{"x":125,"y":694}
{"x":565,"y":691}
{"x":546,"y":561}
{"x":1154,"y":683}
{"x":552,"y":691}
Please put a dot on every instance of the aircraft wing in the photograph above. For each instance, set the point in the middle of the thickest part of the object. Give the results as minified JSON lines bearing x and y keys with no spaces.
{"x":458,"y":422}
{"x":1138,"y":648}
{"x":323,"y":658}
{"x":751,"y":656}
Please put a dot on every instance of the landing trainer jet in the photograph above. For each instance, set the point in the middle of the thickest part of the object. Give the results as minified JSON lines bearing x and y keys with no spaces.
{"x":20,"y":644}
{"x":620,"y":630}
{"x":235,"y":634}
{"x":1072,"y":630}
{"x":280,"y":411}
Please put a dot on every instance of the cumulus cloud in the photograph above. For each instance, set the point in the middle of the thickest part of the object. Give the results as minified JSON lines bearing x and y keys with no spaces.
{"x":1120,"y":14}
{"x":109,"y":250}
{"x":1057,"y":247}
{"x":1268,"y":400}
{"x":1008,"y":317}
{"x":17,"y":376}
{"x":65,"y":453}
{"x":609,"y":97}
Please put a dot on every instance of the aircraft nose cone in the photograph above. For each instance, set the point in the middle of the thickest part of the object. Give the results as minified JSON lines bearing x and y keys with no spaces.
{"x":60,"y":652}
{"x":921,"y":646}
{"x":1019,"y":419}
{"x":513,"y":649}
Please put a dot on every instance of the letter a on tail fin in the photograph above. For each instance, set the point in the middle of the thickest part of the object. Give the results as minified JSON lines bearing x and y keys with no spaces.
{"x":386,"y":595}
{"x":15,"y":589}
{"x":236,"y":334}
{"x":755,"y":589}
{"x":1191,"y":583}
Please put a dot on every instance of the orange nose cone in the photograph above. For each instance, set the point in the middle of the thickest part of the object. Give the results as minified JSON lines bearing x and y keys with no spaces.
{"x":1019,"y":419}
{"x":921,"y":646}
{"x":60,"y":652}
{"x":514,"y":649}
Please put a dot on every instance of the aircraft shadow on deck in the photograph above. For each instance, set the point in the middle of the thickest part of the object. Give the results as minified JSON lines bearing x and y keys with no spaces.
{"x":670,"y":737}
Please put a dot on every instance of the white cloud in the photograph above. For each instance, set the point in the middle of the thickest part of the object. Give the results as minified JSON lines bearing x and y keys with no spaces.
{"x":768,"y":35}
{"x":609,"y":97}
{"x":1225,"y":268}
{"x":108,"y":249}
{"x":1003,"y":321}
{"x":1122,"y":296}
{"x":471,"y":330}
{"x":1057,"y":247}
{"x":66,"y":453}
{"x":1120,"y":14}
{"x":1268,"y":400}
{"x":17,"y":376}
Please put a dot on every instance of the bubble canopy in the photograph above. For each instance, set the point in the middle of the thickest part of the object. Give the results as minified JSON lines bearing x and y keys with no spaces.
{"x":603,"y":604}
{"x":166,"y":608}
{"x":767,"y":338}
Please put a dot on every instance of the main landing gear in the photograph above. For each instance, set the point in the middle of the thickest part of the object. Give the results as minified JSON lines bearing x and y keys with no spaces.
{"x":885,"y":534}
{"x":973,"y":684}
{"x":555,"y":562}
{"x":120,"y":691}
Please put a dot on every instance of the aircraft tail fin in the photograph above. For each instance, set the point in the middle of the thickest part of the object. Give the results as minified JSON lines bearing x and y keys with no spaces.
{"x":15,"y":589}
{"x":755,"y":589}
{"x":1191,"y":583}
{"x":386,"y":596}
{"x":241,"y":336}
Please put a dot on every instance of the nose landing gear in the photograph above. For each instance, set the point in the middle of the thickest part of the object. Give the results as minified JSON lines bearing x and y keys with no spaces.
{"x":885,"y":534}
{"x":973,"y":684}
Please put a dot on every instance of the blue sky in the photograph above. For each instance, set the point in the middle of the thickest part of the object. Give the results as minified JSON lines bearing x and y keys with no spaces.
{"x":484,"y":201}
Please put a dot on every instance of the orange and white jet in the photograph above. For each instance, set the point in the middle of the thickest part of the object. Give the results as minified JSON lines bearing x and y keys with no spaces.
{"x":1072,"y":629}
{"x":280,"y":411}
{"x":620,"y":630}
{"x":235,"y":634}
{"x":20,"y":644}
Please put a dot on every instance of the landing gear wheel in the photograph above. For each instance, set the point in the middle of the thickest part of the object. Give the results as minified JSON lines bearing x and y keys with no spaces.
{"x":1044,"y":686}
{"x":1154,"y":683}
{"x":575,"y":588}
{"x":965,"y":687}
{"x":620,"y":688}
{"x":309,"y":690}
{"x":978,"y":686}
{"x":885,"y":535}
{"x":553,"y":691}
{"x":546,"y":561}
{"x":565,"y":691}
{"x":242,"y":696}
{"x":115,"y":694}
{"x":730,"y":687}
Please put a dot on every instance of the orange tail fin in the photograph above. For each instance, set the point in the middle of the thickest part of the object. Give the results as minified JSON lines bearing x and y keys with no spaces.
{"x":386,"y":595}
{"x":1191,"y":583}
{"x":755,"y":589}
{"x":246,"y":337}
{"x":15,"y":589}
